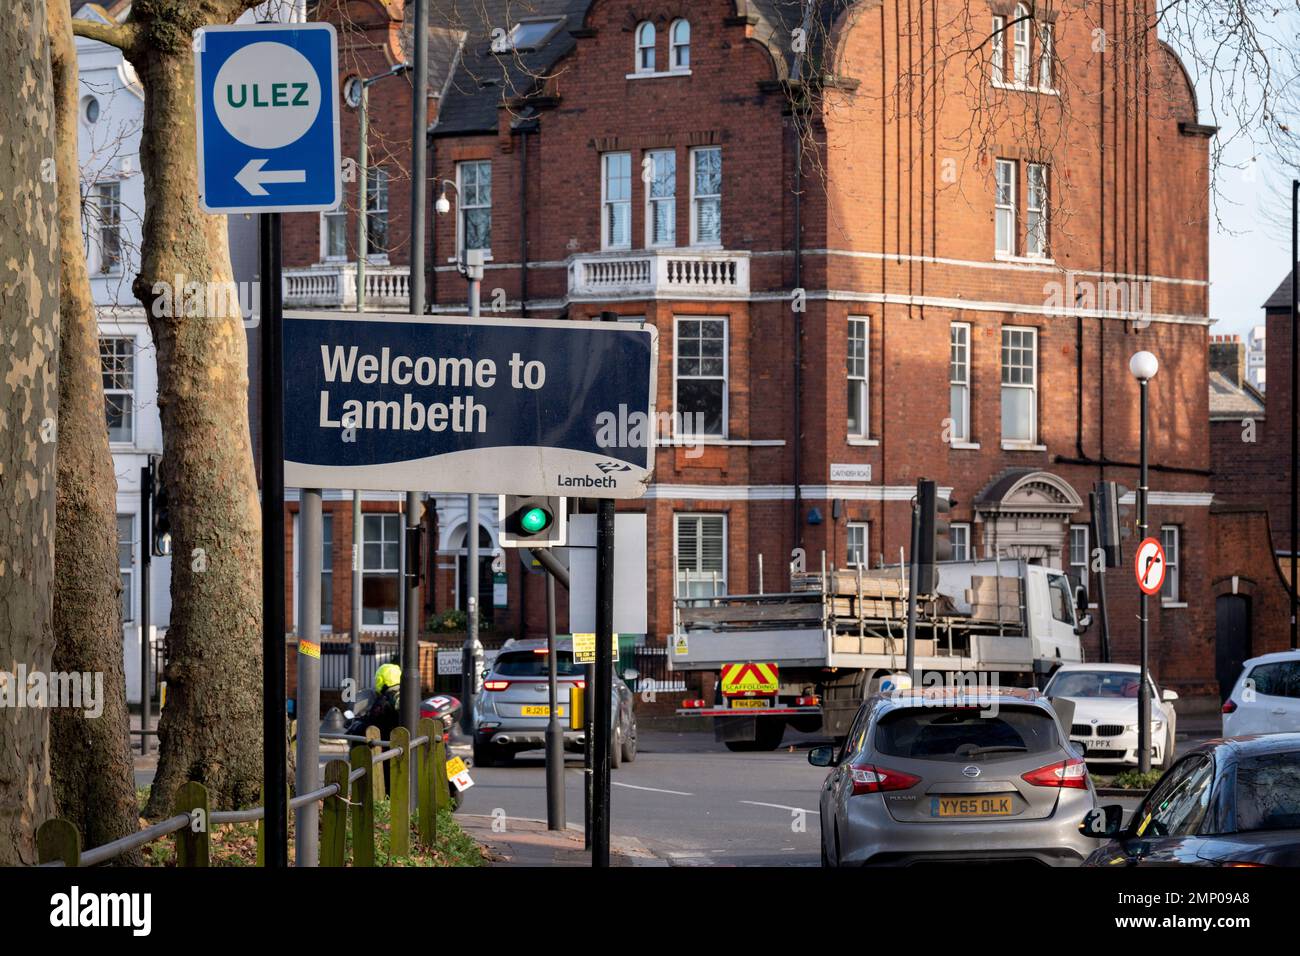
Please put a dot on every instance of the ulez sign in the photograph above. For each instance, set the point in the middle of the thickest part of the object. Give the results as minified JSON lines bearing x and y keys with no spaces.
{"x":266,"y":103}
{"x":494,"y":406}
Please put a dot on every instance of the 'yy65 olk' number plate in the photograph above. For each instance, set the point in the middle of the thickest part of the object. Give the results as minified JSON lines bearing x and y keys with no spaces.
{"x":994,"y":806}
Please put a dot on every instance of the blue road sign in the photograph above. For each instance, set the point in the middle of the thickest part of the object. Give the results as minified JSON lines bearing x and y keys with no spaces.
{"x":266,"y":102}
{"x":495,"y":406}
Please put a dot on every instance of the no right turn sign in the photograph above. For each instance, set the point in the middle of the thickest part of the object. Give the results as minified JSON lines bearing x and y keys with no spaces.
{"x":1149,"y":566}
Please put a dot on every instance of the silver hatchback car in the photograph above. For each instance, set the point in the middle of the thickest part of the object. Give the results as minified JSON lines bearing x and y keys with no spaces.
{"x":950,"y":777}
{"x":514,"y":707}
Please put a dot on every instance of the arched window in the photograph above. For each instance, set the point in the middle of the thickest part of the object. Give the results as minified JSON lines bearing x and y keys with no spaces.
{"x":645,"y":47}
{"x":1020,"y":65}
{"x":680,"y":39}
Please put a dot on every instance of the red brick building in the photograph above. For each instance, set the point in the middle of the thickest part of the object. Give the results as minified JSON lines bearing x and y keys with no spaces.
{"x":858,"y":279}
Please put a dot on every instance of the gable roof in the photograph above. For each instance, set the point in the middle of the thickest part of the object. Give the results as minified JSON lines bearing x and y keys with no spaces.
{"x":1280,"y":299}
{"x":1230,"y":402}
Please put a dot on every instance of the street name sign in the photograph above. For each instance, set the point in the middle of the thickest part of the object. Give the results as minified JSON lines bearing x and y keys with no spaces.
{"x":491,"y":406}
{"x":1149,"y":566}
{"x":266,"y":106}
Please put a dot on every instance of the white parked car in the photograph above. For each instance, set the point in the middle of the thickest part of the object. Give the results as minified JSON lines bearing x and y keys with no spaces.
{"x":1105,"y":698}
{"x":1266,"y":697}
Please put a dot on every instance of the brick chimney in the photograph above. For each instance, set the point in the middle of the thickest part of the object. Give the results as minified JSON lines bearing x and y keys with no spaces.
{"x":1228,"y":357}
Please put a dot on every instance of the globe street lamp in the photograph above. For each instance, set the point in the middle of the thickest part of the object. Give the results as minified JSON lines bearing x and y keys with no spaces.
{"x":1143,"y":366}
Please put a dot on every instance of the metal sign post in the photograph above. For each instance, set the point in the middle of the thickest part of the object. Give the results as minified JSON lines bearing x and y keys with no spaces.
{"x":267,"y":132}
{"x":602,"y":716}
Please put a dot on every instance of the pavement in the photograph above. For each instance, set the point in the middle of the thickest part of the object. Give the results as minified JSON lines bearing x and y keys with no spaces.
{"x":521,"y":842}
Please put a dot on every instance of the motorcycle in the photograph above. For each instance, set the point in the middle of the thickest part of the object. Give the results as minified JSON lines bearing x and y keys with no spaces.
{"x":353,"y":722}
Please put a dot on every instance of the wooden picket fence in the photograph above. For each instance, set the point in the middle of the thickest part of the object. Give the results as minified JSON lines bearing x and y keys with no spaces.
{"x":354,"y":783}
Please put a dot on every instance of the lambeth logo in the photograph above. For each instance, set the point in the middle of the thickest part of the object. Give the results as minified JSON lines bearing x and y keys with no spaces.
{"x":607,"y":466}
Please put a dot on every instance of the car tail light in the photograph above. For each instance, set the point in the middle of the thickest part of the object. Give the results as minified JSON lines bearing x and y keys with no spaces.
{"x":1071,"y":774}
{"x":1229,"y":706}
{"x":580,"y":684}
{"x":696,"y":704}
{"x":806,"y":701}
{"x":496,"y":684}
{"x":868,"y":778}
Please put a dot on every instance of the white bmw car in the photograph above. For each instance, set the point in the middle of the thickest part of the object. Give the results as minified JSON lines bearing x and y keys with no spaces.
{"x":1105,"y":698}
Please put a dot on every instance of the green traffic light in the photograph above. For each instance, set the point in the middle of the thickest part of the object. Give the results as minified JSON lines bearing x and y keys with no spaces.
{"x":534,"y":520}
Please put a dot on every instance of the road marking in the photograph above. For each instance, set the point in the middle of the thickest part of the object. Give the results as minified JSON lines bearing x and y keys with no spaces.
{"x":780,"y":806}
{"x":630,"y":786}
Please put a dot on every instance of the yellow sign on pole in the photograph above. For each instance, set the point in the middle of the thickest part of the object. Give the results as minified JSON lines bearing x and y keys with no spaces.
{"x":584,"y":648}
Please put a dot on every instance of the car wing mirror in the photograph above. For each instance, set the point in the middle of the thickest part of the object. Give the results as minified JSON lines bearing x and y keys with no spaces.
{"x":631,"y":673}
{"x":1103,"y":823}
{"x":823,"y":756}
{"x":1169,"y":696}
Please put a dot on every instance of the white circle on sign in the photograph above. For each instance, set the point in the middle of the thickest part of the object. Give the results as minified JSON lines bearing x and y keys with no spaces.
{"x":267,"y":95}
{"x":1149,"y":566}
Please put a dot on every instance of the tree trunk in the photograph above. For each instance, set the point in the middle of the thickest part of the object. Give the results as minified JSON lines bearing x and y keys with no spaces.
{"x":29,"y":341}
{"x":210,"y":729}
{"x":94,"y":781}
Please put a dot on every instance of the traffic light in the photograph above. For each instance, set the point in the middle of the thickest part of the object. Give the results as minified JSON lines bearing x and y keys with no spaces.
{"x":160,"y":530}
{"x":1107,"y":518}
{"x":532,"y":521}
{"x":935,"y":537}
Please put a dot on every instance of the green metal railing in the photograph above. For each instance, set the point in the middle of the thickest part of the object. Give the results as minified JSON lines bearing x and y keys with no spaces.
{"x":353,"y":784}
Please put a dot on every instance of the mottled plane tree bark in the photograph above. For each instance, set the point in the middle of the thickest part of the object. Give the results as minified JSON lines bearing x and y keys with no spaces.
{"x":90,"y":757}
{"x":29,"y":400}
{"x":209,"y":731}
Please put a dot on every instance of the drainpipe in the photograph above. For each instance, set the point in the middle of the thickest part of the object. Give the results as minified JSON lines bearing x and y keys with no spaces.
{"x":798,"y":331}
{"x":523,"y":222}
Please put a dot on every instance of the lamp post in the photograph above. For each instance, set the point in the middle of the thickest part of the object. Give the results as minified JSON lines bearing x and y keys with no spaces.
{"x":357,"y":94}
{"x":1143,"y":366}
{"x":470,"y":265}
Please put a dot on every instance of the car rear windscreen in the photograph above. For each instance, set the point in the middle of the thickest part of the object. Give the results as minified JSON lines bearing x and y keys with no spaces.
{"x":1268,"y":792}
{"x":530,"y":664}
{"x":961,"y":733}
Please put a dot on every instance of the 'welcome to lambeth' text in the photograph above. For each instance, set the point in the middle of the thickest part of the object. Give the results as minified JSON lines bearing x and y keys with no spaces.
{"x":461,"y":414}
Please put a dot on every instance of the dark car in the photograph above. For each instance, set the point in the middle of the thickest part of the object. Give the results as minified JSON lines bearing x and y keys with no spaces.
{"x":1233,"y":802}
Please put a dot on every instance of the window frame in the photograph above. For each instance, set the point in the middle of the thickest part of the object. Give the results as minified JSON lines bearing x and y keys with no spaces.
{"x":699,"y":518}
{"x":109,"y":264}
{"x":1001,"y":208}
{"x":465,"y":207}
{"x":382,"y":571}
{"x":965,"y":528}
{"x":1086,"y":564}
{"x":127,"y":392}
{"x":553,"y":25}
{"x":1021,"y":40}
{"x":960,"y":436}
{"x":1046,"y":58}
{"x":652,"y":201}
{"x":679,"y":422}
{"x":1041,"y":212}
{"x":1031,"y":387}
{"x":1171,"y":591}
{"x":697,"y":198}
{"x":849,"y":529}
{"x":374,"y":250}
{"x":675,"y":45}
{"x":644,"y":45}
{"x":863,"y":430}
{"x":606,"y":203}
{"x":128,"y":573}
{"x":999,"y":50}
{"x":327,"y":218}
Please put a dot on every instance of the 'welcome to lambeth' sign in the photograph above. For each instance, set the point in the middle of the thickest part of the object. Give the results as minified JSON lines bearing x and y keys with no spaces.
{"x":497,"y":406}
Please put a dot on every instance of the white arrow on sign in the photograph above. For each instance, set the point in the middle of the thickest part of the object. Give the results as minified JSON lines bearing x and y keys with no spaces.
{"x":252,"y":176}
